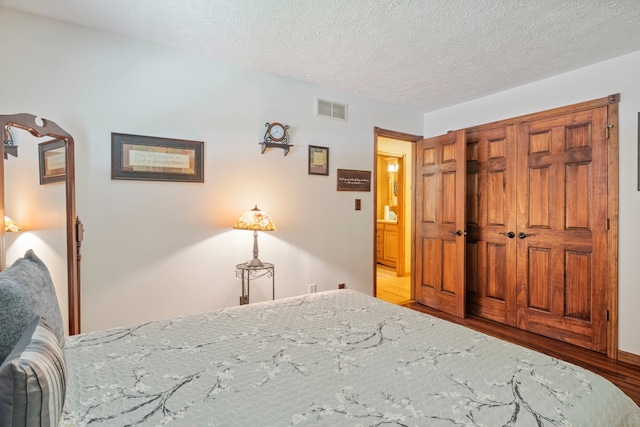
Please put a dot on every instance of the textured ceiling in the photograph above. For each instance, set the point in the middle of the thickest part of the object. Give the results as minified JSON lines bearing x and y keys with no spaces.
{"x":422,"y":54}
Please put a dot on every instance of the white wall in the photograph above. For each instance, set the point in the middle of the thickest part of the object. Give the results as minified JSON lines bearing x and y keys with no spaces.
{"x":619,"y":75}
{"x":159,"y":249}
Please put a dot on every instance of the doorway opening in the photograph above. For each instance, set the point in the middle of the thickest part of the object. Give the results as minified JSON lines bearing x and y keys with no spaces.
{"x":393,"y":236}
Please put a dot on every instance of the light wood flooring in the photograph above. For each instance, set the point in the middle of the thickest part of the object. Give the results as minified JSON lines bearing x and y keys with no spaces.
{"x":391,"y":288}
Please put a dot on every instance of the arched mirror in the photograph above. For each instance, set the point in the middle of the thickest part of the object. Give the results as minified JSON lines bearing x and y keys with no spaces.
{"x":60,"y":140}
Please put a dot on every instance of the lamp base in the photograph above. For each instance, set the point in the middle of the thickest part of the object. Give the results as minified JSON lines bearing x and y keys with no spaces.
{"x":255,"y":262}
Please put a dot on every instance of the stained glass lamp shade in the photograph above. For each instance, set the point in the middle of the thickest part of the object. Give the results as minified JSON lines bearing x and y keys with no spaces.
{"x":255,"y":220}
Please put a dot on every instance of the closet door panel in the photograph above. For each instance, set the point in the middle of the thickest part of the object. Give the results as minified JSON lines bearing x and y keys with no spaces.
{"x":472,"y":272}
{"x":430,"y":271}
{"x":440,"y":210}
{"x":562,"y":215}
{"x":429,"y":186}
{"x":491,"y":184}
{"x":578,"y":285}
{"x":496,"y":266}
{"x":540,"y":199}
{"x":473,"y":197}
{"x":577,"y":200}
{"x":496,"y":196}
{"x":449,"y":271}
{"x":448,"y":197}
{"x":540,"y":294}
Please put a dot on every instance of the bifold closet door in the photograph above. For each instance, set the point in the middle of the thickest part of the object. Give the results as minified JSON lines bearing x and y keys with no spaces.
{"x":440,"y":222}
{"x":562,"y":268}
{"x":491,"y":224}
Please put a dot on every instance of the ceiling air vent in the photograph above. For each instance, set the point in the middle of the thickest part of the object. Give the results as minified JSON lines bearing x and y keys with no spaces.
{"x":333,"y":110}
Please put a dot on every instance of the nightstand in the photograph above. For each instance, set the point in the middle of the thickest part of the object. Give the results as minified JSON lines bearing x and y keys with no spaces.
{"x":249,"y":272}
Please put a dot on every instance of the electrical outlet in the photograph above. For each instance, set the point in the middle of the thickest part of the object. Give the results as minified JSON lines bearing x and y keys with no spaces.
{"x":312,"y":288}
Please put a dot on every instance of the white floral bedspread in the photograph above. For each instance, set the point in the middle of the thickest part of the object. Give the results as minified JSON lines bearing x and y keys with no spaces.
{"x":337,"y":358}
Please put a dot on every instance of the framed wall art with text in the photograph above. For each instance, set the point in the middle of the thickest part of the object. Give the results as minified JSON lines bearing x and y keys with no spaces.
{"x":150,"y":158}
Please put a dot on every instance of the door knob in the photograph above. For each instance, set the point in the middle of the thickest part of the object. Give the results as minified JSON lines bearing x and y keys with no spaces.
{"x":510,"y":234}
{"x":523,"y":235}
{"x":458,"y":232}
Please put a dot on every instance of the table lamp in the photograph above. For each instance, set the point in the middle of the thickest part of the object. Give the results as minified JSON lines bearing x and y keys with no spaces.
{"x":10,"y":225}
{"x":255,"y":220}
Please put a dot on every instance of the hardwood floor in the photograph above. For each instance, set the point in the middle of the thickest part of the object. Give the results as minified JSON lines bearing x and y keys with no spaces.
{"x":391,"y":288}
{"x":624,"y":375}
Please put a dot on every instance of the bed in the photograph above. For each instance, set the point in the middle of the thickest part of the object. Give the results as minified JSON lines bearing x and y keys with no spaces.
{"x":336,"y":358}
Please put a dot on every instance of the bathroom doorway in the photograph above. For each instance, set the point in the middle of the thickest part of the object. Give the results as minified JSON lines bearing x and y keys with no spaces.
{"x":393,"y":219}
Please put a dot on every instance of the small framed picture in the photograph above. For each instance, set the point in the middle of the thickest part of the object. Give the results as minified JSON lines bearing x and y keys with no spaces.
{"x":318,"y":160}
{"x":53,"y":161}
{"x":150,"y":158}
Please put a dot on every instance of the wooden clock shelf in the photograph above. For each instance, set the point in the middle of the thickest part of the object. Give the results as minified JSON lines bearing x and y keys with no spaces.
{"x":266,"y":145}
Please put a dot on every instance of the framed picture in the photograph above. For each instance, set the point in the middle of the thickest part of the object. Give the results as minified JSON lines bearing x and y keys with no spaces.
{"x":150,"y":158}
{"x":318,"y":160}
{"x":52,"y":156}
{"x":354,"y":180}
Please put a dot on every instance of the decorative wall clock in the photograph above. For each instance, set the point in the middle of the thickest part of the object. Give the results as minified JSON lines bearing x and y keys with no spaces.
{"x":276,"y":136}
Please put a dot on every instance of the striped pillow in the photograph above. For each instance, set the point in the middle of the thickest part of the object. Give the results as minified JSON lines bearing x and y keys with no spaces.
{"x":33,"y":379}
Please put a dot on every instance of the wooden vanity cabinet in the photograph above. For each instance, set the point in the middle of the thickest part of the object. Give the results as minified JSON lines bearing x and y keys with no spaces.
{"x":387,"y":244}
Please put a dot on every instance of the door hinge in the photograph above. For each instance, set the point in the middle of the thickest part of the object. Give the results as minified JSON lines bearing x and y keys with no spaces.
{"x":606,"y":131}
{"x":607,"y":315}
{"x":608,"y":224}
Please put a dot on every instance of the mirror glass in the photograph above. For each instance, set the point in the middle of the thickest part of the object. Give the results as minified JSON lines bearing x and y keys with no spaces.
{"x":38,"y":187}
{"x":39,"y":212}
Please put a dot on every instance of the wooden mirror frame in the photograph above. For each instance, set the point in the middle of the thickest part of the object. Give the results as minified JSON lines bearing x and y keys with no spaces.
{"x":74,"y":227}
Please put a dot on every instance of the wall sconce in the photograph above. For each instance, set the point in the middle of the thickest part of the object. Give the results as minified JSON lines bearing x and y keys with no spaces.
{"x":8,"y":142}
{"x":392,"y":168}
{"x":255,"y":220}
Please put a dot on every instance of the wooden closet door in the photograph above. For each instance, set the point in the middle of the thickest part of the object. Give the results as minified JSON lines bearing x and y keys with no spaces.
{"x":562,"y":264}
{"x":491,"y":224}
{"x":440,"y":221}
